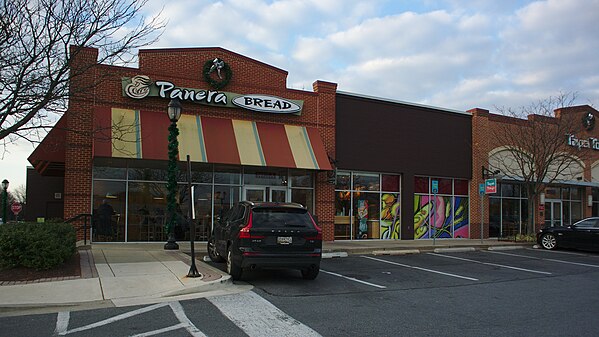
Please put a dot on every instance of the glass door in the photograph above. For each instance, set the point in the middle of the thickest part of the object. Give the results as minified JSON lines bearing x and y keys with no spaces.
{"x":278,"y":194}
{"x":262,"y":193}
{"x":254,"y":193}
{"x":553,"y":213}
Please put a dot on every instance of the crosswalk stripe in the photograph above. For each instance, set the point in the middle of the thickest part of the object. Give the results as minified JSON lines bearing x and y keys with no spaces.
{"x":258,"y":317}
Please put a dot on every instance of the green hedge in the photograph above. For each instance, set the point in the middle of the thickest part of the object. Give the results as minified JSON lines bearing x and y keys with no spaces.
{"x":36,"y":245}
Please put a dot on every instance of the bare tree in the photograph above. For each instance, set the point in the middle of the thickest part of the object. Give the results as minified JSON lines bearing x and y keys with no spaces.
{"x":39,"y":40}
{"x":19,"y":194}
{"x":534,"y":147}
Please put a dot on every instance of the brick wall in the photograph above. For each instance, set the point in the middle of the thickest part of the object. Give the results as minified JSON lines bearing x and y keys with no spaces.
{"x":483,"y":124}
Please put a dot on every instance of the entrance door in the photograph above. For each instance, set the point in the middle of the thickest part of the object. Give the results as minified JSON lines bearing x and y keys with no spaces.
{"x":259,"y":193}
{"x":553,"y":213}
{"x":278,"y":194}
{"x":255,"y":194}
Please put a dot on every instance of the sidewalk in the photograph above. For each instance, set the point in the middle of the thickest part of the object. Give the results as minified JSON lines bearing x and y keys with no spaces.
{"x":143,"y":273}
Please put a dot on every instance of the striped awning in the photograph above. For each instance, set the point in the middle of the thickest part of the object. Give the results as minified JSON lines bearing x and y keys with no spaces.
{"x":144,"y":135}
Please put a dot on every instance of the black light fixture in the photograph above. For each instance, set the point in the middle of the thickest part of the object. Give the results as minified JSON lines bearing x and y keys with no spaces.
{"x":174,"y":113}
{"x":486,"y":173}
{"x":4,"y":200}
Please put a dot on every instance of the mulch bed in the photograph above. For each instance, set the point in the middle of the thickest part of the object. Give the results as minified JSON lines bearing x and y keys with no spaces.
{"x":71,"y":267}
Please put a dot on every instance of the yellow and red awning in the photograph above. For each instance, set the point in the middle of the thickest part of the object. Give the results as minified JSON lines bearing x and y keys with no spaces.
{"x":144,"y":135}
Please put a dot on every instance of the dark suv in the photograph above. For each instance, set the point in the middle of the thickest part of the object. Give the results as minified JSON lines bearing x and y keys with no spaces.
{"x":265,"y":234}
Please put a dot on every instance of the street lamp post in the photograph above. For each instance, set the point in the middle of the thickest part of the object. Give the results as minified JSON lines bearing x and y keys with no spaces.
{"x":174,"y":113}
{"x":4,"y":200}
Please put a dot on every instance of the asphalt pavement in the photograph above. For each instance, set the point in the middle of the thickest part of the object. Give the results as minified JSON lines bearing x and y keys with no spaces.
{"x":144,"y":273}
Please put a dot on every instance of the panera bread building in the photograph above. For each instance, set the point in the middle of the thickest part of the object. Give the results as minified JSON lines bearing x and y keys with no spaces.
{"x":369,"y":168}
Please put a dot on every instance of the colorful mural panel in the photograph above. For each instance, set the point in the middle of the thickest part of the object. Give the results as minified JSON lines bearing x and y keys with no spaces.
{"x":390,"y":217}
{"x":438,"y":217}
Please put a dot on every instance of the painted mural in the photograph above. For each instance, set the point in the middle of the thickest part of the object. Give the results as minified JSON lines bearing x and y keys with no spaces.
{"x":390,"y":217}
{"x":438,"y":217}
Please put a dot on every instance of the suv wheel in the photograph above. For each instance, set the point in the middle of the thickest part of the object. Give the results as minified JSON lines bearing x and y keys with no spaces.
{"x":232,"y":268}
{"x":310,"y":273}
{"x":212,"y":252}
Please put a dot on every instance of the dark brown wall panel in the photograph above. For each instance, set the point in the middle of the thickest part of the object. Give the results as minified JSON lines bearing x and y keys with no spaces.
{"x":381,"y":136}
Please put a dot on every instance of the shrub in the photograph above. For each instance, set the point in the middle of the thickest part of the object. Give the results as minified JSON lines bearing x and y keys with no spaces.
{"x":36,"y":245}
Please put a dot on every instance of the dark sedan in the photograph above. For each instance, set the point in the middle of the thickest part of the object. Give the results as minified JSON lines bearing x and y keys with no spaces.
{"x":582,"y":235}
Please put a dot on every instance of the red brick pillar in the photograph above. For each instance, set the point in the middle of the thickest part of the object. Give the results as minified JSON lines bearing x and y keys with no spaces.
{"x":78,"y":147}
{"x":324,"y":190}
{"x":480,"y":157}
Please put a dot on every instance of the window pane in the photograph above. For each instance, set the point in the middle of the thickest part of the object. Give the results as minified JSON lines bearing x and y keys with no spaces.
{"x":421,"y":185}
{"x":201,"y":173}
{"x":390,"y":216}
{"x":343,"y":181}
{"x":510,"y":190}
{"x":390,"y":183}
{"x":224,"y":198}
{"x":494,"y":217}
{"x":366,"y":215}
{"x":108,"y":222}
{"x":227,"y":175}
{"x":576,"y":211}
{"x":342,"y":215}
{"x":445,"y":186}
{"x":110,"y":168}
{"x":576,"y":193}
{"x":147,"y":211}
{"x":461,"y":221}
{"x":265,"y":176}
{"x":460,"y":187}
{"x":304,"y":197}
{"x":301,"y":178}
{"x":366,"y":182}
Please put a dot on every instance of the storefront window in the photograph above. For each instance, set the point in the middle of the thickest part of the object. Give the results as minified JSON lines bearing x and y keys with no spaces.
{"x":441,"y":215}
{"x":108,"y":215}
{"x":507,"y":210}
{"x":146,"y":214}
{"x":362,"y":212}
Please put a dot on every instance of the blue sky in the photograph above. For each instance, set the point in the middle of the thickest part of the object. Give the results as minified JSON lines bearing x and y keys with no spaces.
{"x":456,"y":54}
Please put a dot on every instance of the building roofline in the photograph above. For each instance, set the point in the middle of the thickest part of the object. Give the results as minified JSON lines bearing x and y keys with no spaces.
{"x":405,"y":103}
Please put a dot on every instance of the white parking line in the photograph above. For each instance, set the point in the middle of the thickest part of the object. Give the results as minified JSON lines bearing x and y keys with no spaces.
{"x":492,"y":264}
{"x":420,"y":268}
{"x":552,"y":260}
{"x":62,"y":321}
{"x":558,"y":252}
{"x":353,"y":279}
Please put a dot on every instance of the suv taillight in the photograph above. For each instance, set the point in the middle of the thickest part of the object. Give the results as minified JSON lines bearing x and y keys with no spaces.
{"x":244,"y":233}
{"x":318,"y":236}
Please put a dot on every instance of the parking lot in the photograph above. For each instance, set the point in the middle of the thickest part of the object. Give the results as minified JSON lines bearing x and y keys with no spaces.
{"x":425,"y":270}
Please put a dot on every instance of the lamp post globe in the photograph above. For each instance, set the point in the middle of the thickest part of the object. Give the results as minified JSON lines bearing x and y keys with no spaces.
{"x":4,"y":200}
{"x":174,"y":113}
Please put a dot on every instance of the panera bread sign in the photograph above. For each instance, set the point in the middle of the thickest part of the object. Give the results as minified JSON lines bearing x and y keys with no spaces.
{"x":589,"y":143}
{"x":141,"y":86}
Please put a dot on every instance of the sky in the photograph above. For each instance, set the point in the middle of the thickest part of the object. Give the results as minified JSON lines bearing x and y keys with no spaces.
{"x":455,"y":54}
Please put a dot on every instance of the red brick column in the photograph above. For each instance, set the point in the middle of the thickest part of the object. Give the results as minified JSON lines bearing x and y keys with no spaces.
{"x":78,"y":147}
{"x":480,"y":157}
{"x":324,"y":190}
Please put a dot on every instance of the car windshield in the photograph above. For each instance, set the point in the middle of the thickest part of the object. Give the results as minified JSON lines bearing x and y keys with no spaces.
{"x":281,"y":218}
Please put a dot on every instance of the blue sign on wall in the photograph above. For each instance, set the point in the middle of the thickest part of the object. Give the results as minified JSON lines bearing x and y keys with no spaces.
{"x":435,"y":186}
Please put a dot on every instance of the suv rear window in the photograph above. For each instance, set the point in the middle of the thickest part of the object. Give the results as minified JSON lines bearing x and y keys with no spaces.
{"x":281,"y":218}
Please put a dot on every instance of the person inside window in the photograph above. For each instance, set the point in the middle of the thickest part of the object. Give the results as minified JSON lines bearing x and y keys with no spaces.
{"x":104,"y":218}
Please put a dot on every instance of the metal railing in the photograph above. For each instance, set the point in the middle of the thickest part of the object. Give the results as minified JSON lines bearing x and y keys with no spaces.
{"x":85,"y":216}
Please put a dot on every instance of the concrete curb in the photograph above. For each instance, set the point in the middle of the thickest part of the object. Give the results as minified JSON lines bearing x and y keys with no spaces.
{"x":498,"y":248}
{"x":396,"y":252}
{"x":454,"y":250}
{"x":334,"y":254}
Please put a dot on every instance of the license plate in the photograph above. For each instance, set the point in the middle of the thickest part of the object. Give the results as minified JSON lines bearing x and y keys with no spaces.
{"x":284,"y":240}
